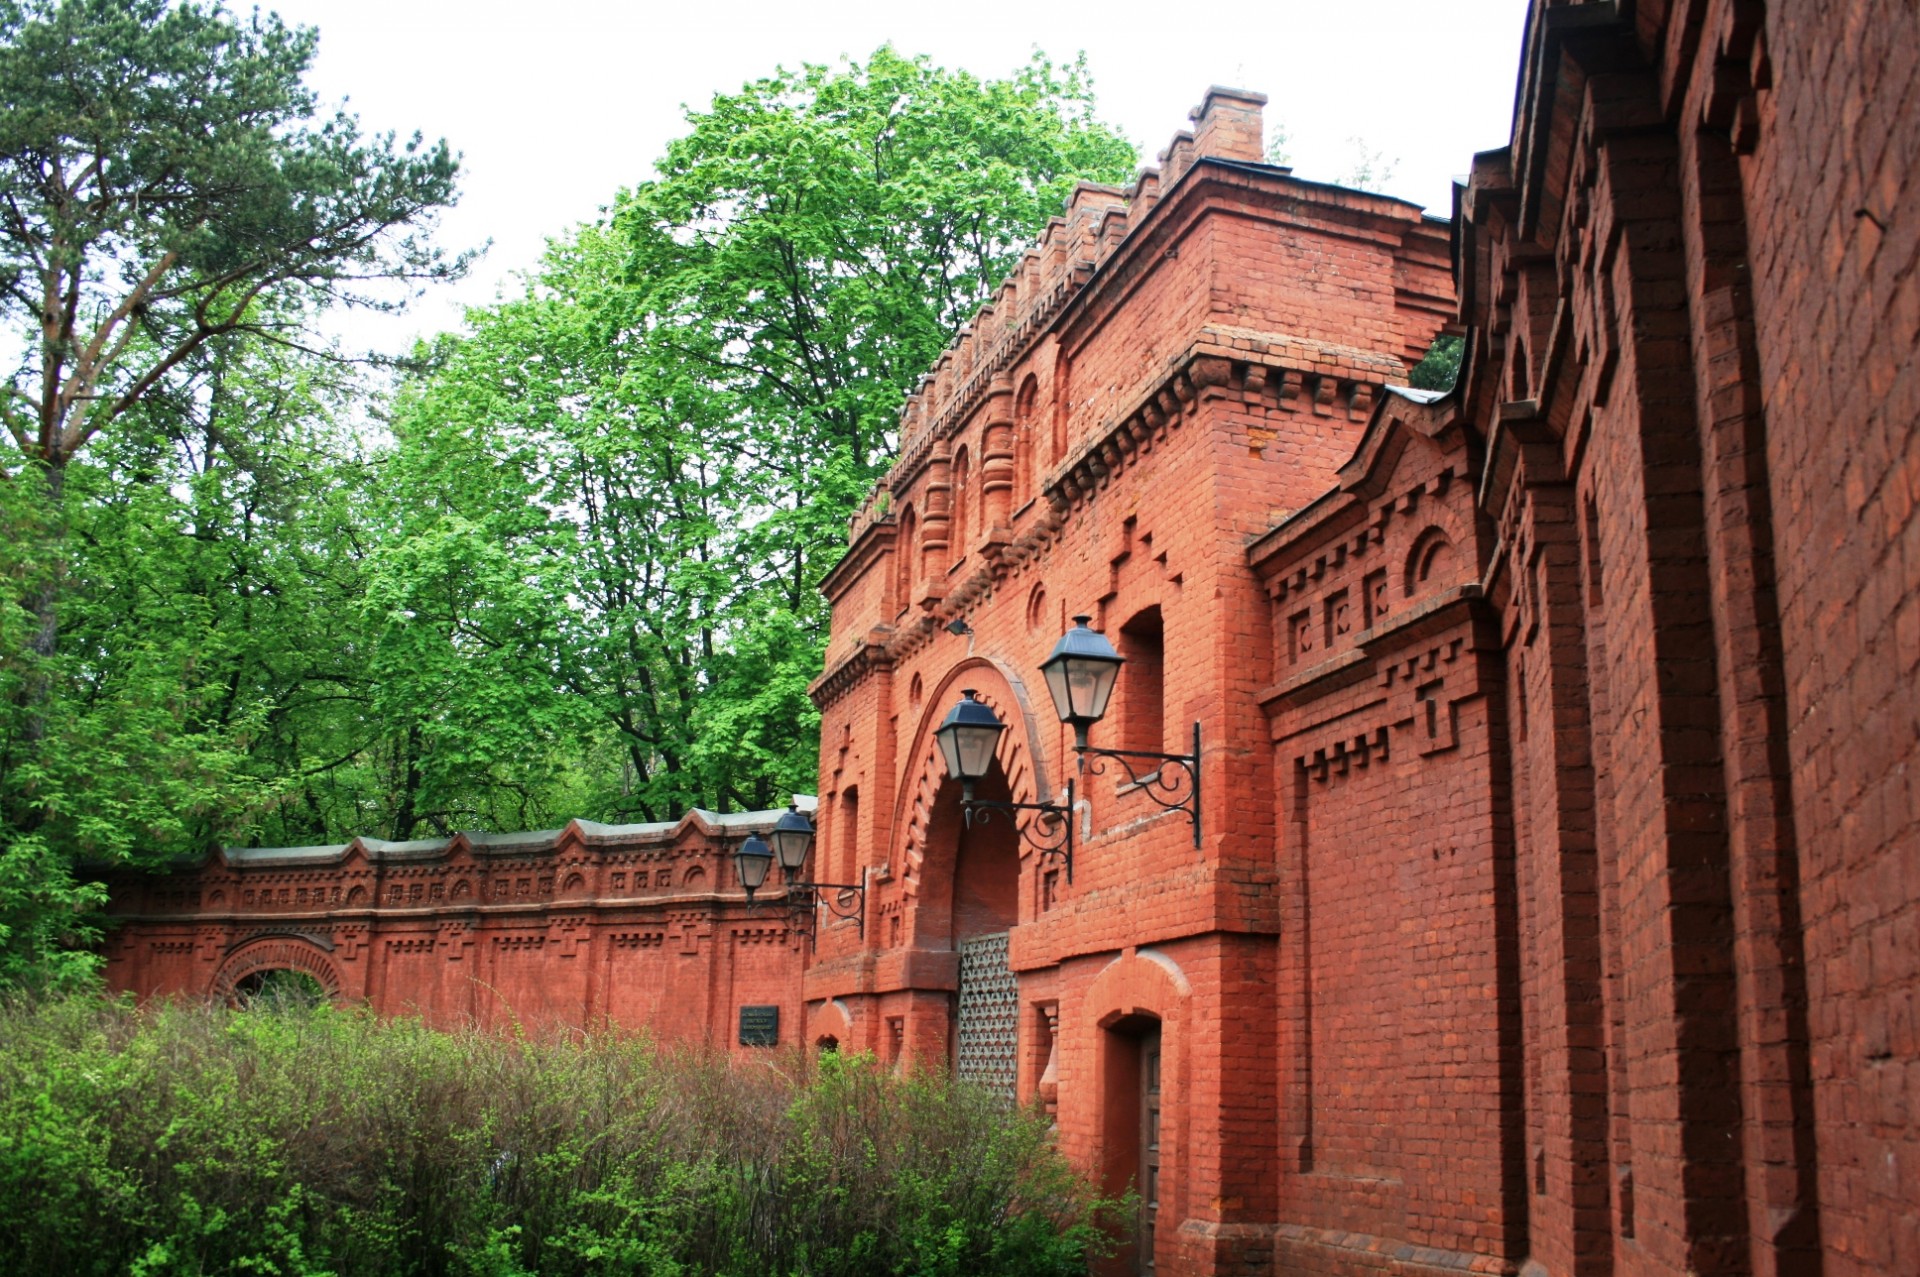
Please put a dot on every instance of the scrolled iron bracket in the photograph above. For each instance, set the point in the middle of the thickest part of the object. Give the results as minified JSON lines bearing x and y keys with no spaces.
{"x":841,"y":899}
{"x":1179,"y":791}
{"x":1049,"y":831}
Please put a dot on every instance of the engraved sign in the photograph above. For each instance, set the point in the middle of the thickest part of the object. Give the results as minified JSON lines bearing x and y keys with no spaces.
{"x":759,"y":1026}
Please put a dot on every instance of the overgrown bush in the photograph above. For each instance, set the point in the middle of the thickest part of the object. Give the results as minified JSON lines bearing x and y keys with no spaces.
{"x":190,"y":1139}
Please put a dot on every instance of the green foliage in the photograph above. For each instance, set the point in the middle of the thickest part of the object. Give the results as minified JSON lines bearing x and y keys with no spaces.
{"x":576,"y":571}
{"x":194,"y":1140}
{"x":814,"y":241}
{"x":632,"y":479}
{"x":1276,"y":149}
{"x":1440,"y":366}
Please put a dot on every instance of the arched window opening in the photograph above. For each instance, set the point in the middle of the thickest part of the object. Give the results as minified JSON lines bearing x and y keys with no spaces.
{"x":1143,"y":682}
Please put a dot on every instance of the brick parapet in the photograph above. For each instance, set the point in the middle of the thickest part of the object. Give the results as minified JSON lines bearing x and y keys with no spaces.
{"x":575,"y":926}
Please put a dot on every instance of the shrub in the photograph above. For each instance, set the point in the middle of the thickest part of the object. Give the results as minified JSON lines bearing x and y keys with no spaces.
{"x":187,"y":1139}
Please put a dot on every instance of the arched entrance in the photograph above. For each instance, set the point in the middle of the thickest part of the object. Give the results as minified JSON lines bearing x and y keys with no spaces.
{"x":279,"y":989}
{"x":963,"y":880}
{"x":1136,"y":1009}
{"x":281,"y":966}
{"x":986,"y":905}
{"x":1131,"y":1108}
{"x":969,"y":902}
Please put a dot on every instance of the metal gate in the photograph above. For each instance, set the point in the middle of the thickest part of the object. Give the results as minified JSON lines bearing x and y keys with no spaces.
{"x":989,"y":1015}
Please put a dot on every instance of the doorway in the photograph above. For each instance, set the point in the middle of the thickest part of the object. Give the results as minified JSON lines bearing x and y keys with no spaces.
{"x":1149,"y":1145}
{"x":983,"y":907}
{"x":1132,"y":1132}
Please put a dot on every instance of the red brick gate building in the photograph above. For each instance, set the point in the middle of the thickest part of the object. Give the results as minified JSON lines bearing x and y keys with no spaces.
{"x":1555,"y":904}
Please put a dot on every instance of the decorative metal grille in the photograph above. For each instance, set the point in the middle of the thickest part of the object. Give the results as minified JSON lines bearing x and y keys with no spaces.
{"x":989,"y":1015}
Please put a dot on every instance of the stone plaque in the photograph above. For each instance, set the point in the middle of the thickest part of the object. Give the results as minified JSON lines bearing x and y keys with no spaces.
{"x":759,"y":1026}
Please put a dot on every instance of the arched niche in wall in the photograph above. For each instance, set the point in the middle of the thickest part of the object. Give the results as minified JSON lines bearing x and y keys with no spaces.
{"x":829,"y":1021}
{"x":1024,"y":460}
{"x":906,"y":557}
{"x":959,"y":527}
{"x":1142,"y":717}
{"x":278,"y":952}
{"x":1431,"y":563}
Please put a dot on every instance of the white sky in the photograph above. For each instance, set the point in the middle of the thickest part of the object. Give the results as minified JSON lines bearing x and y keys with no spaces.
{"x":557,"y":105}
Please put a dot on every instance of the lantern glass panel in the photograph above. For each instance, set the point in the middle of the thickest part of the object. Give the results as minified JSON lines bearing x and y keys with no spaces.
{"x":975,"y":747}
{"x":1081,"y":673}
{"x":792,"y":839}
{"x":752,"y":861}
{"x":949,"y":749}
{"x":1091,"y":684}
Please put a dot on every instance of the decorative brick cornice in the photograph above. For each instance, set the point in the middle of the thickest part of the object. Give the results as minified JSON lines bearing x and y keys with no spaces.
{"x":843,"y":676}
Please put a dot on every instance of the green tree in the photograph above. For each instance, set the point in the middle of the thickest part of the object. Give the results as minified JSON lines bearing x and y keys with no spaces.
{"x":1371,"y":169}
{"x":172,"y":207}
{"x":163,"y":176}
{"x":664,"y":439}
{"x":162,"y":170}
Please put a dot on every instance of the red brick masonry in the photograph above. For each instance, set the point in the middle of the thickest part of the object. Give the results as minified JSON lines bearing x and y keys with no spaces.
{"x":1557,"y":902}
{"x":629,"y":924}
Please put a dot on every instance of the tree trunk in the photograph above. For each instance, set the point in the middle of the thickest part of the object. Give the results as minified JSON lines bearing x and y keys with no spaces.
{"x":407,"y":817}
{"x":46,"y":602}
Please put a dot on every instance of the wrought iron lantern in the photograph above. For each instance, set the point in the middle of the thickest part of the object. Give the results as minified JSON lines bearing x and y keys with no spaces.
{"x":751,"y":860}
{"x":792,"y":838}
{"x":1080,"y":673}
{"x":968,"y":737}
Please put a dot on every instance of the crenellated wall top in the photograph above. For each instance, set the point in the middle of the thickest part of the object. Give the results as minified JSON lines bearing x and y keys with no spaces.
{"x":1096,"y":221}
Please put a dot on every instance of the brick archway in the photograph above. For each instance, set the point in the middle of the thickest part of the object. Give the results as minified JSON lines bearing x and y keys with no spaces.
{"x":274,"y":953}
{"x":1020,"y":755}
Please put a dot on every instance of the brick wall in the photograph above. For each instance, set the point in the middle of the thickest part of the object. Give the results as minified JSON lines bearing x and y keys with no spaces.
{"x":632,"y":925}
